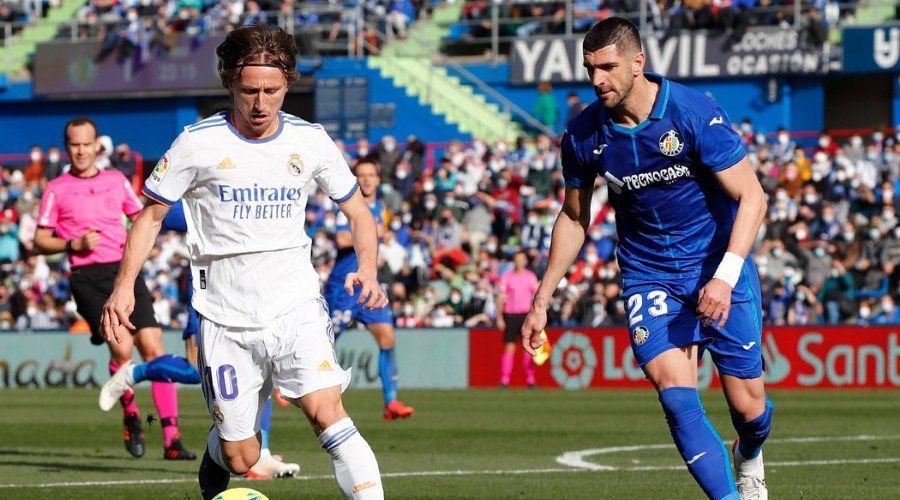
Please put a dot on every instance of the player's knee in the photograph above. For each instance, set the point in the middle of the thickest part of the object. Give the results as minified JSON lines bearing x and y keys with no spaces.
{"x":749,"y":407}
{"x":387,"y":339}
{"x":325,"y":414}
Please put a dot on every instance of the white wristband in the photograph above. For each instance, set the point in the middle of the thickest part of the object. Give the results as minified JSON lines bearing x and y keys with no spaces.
{"x":729,"y":269}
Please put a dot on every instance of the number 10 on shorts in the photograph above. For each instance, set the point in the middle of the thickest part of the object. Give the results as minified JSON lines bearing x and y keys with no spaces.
{"x":227,"y":378}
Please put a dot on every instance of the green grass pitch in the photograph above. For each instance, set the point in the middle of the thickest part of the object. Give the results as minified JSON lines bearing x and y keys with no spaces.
{"x":485,"y":444}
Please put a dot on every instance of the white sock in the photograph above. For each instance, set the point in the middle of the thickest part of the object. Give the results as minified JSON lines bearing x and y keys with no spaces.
{"x":129,"y":374}
{"x":215,"y":448}
{"x":355,"y":466}
{"x":750,"y":466}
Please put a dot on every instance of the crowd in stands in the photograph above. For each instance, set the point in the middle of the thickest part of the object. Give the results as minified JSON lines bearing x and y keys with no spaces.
{"x":529,"y":18}
{"x":127,"y":27}
{"x":828,"y":251}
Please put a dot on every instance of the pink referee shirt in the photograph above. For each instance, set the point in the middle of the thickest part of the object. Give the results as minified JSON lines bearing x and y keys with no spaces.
{"x":71,"y":206}
{"x":519,"y":289}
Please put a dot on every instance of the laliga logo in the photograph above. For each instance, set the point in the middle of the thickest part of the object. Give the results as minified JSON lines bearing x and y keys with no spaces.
{"x":573,"y":361}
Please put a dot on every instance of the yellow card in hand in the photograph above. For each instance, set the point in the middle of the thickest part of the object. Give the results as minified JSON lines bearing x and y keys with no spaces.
{"x":543,"y":353}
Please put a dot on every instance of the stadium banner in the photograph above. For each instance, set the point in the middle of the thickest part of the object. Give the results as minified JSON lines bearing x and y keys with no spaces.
{"x":697,"y":54}
{"x":86,"y":70}
{"x":796,"y":358}
{"x":426,"y":358}
{"x":871,"y":49}
{"x":60,"y":359}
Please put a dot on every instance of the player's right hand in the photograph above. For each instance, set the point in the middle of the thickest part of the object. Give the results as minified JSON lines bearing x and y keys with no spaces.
{"x":371,"y":296}
{"x":117,"y":311}
{"x":532,"y":328}
{"x":88,"y":241}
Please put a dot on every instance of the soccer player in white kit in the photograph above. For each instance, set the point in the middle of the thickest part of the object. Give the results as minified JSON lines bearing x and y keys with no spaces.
{"x":242,"y":176}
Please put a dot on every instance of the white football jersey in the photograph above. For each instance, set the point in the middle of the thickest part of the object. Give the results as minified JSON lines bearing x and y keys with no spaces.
{"x":245,"y":204}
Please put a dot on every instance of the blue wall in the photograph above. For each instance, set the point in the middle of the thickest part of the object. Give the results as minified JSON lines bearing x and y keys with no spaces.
{"x":800,"y":103}
{"x":411,"y":117}
{"x":150,"y":125}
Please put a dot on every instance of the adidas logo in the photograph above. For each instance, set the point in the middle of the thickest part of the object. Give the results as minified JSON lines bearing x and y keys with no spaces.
{"x":325,"y":366}
{"x":226,"y":164}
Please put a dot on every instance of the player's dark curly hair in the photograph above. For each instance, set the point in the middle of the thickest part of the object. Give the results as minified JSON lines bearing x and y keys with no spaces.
{"x":257,"y":45}
{"x":613,"y":31}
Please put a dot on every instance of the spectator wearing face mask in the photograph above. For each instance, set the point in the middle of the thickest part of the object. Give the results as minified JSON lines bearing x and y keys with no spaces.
{"x":836,"y":294}
{"x":9,"y":236}
{"x":783,"y":149}
{"x":888,"y":313}
{"x":388,"y":156}
{"x":54,"y":164}
{"x":34,"y":171}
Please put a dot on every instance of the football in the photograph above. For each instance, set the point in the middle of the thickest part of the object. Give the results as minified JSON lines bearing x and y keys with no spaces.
{"x":240,"y":494}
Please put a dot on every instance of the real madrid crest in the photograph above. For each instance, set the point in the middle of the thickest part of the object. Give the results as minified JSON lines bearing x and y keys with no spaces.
{"x":295,"y":165}
{"x":641,"y":334}
{"x":670,"y":144}
{"x":217,"y":414}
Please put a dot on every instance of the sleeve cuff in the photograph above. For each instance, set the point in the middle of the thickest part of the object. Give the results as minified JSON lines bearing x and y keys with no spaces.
{"x":157,"y":198}
{"x":731,"y":160}
{"x":347,"y":196}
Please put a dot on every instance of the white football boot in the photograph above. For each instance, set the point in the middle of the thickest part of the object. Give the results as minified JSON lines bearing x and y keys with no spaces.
{"x":750,"y":475}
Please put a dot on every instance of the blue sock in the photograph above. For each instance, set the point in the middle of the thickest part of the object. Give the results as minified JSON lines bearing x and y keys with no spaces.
{"x":167,"y":368}
{"x":697,"y":441}
{"x":387,"y":368}
{"x":753,"y":433}
{"x":265,"y":423}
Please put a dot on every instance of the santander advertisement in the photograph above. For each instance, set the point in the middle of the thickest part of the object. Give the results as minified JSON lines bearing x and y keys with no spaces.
{"x":795,"y":357}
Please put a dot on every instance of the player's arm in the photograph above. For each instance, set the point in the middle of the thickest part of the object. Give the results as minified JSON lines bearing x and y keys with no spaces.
{"x":741,"y":184}
{"x":140,"y":241}
{"x":501,"y":302}
{"x":364,"y":237}
{"x":568,"y":236}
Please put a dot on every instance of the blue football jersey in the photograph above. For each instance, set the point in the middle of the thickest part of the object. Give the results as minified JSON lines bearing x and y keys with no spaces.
{"x":346,"y":262}
{"x":672,"y":216}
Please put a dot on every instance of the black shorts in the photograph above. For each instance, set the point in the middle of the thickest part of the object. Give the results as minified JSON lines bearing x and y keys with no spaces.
{"x":91,"y":287}
{"x":513,"y":331}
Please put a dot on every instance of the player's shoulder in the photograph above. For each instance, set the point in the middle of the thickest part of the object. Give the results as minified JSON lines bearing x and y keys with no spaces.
{"x":216,"y":121}
{"x":296,"y":122}
{"x":686,"y":103}
{"x":583,"y":125}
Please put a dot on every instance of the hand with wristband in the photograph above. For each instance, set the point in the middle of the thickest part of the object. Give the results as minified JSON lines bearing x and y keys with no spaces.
{"x":714,"y":300}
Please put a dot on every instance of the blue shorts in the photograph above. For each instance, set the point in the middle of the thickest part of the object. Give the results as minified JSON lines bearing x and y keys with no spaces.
{"x":193,"y":323}
{"x":662,"y":315}
{"x":344,"y":309}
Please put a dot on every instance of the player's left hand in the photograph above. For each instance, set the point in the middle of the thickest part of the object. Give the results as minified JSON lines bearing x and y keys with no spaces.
{"x":714,"y":303}
{"x":371,"y":296}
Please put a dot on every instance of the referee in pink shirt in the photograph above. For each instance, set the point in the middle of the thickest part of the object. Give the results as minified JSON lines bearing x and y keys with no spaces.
{"x":81,"y":214}
{"x":516,"y":289}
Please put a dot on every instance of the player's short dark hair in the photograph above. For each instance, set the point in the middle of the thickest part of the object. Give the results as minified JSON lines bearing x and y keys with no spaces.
{"x":369,"y":159}
{"x":257,"y":45}
{"x":613,"y":31}
{"x":77,"y":122}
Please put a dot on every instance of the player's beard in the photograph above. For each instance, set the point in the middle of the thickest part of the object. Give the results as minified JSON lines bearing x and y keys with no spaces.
{"x":621,"y":94}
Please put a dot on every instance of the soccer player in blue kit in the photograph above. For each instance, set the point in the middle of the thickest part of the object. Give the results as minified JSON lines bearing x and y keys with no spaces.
{"x":346,"y":308}
{"x":688,"y":206}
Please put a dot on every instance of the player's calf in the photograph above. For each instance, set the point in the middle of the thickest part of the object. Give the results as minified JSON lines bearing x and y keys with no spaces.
{"x":697,"y":441}
{"x":354,"y":463}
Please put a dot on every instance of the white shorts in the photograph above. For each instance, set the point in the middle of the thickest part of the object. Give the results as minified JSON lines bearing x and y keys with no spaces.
{"x":239,"y":366}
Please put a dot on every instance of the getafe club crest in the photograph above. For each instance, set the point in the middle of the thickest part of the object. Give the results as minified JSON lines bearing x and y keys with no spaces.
{"x":641,"y":334}
{"x":670,"y":144}
{"x":295,"y":166}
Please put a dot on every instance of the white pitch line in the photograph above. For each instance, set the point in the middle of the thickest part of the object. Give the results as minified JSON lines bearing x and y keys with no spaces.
{"x":552,"y":470}
{"x":576,"y":459}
